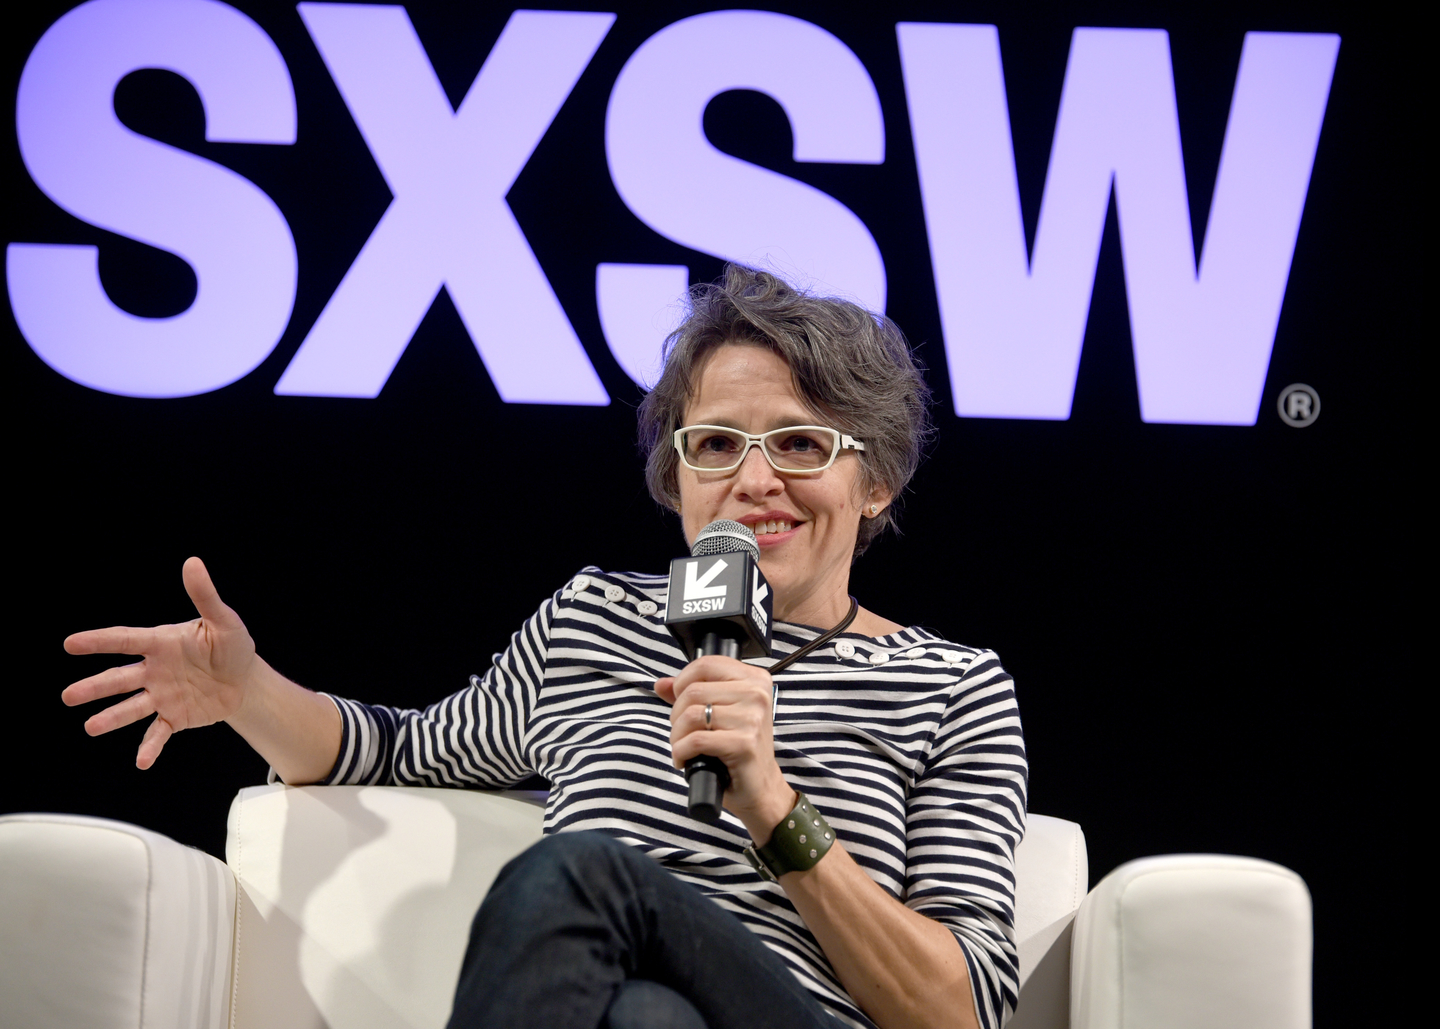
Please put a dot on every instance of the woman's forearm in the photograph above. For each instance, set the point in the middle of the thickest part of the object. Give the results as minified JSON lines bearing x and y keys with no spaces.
{"x":903,"y":969}
{"x":296,"y":730}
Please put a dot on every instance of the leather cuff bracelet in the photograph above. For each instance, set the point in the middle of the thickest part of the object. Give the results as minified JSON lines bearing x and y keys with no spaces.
{"x":796,"y":845}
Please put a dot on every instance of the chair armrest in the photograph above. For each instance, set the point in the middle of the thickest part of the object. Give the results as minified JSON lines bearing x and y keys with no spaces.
{"x":1196,"y":941}
{"x":104,"y":924}
{"x":1052,"y":873}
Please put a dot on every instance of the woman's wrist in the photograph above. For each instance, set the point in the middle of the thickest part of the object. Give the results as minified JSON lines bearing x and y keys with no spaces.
{"x":769,"y":809}
{"x":256,"y":695}
{"x":296,"y":730}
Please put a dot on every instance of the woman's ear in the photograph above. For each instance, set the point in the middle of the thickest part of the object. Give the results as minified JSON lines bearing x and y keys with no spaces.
{"x":878,"y":500}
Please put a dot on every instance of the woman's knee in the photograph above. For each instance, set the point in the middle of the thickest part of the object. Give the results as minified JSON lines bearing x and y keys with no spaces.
{"x":567,"y":857}
{"x":562,"y":882}
{"x":642,"y":1004}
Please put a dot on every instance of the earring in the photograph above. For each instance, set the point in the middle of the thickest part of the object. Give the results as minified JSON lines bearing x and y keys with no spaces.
{"x":874,"y":510}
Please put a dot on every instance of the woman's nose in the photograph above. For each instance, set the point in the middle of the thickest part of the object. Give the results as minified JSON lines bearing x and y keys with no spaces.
{"x":755,"y":477}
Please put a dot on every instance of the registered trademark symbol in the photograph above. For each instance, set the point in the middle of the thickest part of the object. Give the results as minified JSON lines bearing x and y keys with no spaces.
{"x":1299,"y":405}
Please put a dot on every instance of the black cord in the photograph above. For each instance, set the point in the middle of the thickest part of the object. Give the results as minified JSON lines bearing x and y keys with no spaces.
{"x":820,"y":640}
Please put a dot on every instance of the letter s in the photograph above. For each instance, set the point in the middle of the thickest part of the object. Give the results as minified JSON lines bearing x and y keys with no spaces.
{"x":88,"y":163}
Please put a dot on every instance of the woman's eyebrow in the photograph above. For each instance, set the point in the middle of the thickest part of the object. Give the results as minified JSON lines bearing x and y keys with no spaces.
{"x":781,"y":422}
{"x":785,"y":423}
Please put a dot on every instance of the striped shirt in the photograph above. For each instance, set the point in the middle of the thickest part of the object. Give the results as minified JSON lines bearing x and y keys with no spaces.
{"x":911,"y":746}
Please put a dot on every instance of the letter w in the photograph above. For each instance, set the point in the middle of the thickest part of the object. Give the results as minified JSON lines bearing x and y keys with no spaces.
{"x":449,"y":224}
{"x":1014,"y":322}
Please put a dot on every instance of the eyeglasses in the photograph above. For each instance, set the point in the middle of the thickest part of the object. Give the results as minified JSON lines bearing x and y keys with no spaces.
{"x":795,"y":448}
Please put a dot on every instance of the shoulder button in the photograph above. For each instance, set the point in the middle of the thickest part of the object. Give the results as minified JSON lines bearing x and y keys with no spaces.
{"x":845,"y":649}
{"x":580,"y":583}
{"x":646,"y":607}
{"x":879,"y":657}
{"x":950,"y":657}
{"x":614,"y":594}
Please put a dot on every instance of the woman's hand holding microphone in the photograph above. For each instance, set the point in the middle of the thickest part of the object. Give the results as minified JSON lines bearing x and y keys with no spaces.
{"x":739,"y":732}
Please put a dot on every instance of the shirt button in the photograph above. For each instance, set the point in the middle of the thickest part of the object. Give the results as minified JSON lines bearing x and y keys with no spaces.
{"x":917,"y":652}
{"x":950,"y":656}
{"x":614,"y":594}
{"x":845,"y":648}
{"x":879,"y":658}
{"x":582,"y":582}
{"x":646,"y":607}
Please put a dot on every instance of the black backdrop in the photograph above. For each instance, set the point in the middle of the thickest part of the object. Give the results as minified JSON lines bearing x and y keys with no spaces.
{"x":1191,"y":613}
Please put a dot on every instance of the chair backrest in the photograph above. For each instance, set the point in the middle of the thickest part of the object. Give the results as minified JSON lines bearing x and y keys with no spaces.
{"x":355,"y":902}
{"x":1052,"y":876}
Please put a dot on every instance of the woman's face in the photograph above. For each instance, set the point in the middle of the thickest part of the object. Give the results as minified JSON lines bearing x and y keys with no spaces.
{"x":806,"y":524}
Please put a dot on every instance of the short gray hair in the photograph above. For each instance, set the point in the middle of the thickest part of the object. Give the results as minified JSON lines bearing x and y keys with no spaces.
{"x":851,"y":367}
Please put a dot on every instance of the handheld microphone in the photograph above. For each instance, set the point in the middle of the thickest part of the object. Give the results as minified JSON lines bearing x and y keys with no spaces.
{"x":719,"y":603}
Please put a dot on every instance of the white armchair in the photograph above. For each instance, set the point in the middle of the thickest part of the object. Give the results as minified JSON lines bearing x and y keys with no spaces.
{"x":350,"y":907}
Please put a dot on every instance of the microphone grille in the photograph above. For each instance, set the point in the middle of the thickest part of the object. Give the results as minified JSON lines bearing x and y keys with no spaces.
{"x":724,"y":536}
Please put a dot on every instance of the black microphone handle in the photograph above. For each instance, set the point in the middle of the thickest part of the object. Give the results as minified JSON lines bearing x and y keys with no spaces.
{"x":708,"y":777}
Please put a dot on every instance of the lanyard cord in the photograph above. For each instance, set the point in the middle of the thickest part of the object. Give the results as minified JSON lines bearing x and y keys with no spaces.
{"x":818,"y":641}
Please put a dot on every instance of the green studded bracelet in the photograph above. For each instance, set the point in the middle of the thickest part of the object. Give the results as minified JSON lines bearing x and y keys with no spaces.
{"x":796,"y":845}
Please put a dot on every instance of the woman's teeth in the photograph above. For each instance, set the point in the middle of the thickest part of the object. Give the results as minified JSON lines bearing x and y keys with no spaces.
{"x":761,"y":528}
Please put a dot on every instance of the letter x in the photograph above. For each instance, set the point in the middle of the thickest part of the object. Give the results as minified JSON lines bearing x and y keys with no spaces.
{"x":449,"y":224}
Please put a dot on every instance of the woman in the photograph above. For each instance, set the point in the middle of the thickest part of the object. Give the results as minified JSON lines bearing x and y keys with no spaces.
{"x":909,"y":745}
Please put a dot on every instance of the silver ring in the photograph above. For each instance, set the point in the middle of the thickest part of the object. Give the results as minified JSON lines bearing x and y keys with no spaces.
{"x":708,"y":711}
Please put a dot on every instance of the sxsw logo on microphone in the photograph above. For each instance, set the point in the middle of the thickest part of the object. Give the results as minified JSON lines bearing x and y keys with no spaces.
{"x":1013,"y":315}
{"x":720,"y":588}
{"x":706,"y":592}
{"x":699,"y":596}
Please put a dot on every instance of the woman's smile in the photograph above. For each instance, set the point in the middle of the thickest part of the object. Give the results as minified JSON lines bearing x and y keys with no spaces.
{"x":770,"y":529}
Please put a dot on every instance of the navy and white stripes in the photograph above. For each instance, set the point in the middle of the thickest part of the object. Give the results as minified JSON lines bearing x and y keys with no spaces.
{"x":910,"y":745}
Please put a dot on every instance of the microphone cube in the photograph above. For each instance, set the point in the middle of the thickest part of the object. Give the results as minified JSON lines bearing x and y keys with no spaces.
{"x":723,"y":593}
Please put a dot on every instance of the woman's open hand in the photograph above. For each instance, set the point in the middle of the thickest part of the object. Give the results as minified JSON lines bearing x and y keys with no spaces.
{"x":189,"y":675}
{"x":739,"y":734}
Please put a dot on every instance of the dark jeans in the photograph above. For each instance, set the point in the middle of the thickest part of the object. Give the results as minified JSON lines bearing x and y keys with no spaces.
{"x":583,"y":931}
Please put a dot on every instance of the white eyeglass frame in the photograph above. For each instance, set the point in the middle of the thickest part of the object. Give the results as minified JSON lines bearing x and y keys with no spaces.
{"x":843,"y":442}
